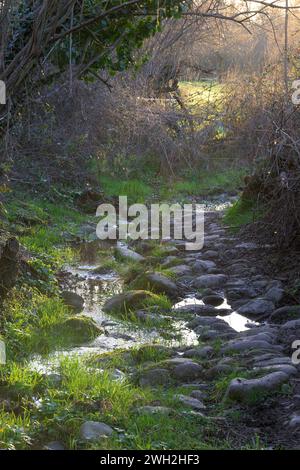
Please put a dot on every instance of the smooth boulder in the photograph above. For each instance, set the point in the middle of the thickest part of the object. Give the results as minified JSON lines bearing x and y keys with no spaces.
{"x":181,"y":270}
{"x":243,"y":390}
{"x":124,"y":252}
{"x":155,"y":282}
{"x":215,"y":300}
{"x":210,"y":280}
{"x":202,"y":353}
{"x":257,"y":307}
{"x":77,"y":330}
{"x":73,"y":300}
{"x":284,"y":314}
{"x":187,"y":371}
{"x":126,"y":301}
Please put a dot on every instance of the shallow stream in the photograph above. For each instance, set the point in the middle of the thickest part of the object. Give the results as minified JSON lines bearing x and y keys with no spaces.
{"x":96,"y":289}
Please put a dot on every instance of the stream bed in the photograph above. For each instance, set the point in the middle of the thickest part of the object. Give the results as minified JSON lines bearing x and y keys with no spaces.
{"x":96,"y":289}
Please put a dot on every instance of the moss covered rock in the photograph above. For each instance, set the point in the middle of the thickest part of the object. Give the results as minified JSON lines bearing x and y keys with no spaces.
{"x":156,"y":282}
{"x":126,"y":301}
{"x":77,"y":330}
{"x":73,"y":300}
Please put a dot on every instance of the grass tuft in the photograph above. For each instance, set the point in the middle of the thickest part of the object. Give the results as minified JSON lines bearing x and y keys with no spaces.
{"x":241,"y":213}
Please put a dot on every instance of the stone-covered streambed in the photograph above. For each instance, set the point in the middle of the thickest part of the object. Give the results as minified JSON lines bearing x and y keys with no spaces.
{"x":95,"y":289}
{"x":205,"y":333}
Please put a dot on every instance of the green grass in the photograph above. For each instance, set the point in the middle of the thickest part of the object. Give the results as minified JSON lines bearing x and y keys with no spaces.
{"x":44,"y":241}
{"x":21,"y":378}
{"x":161,"y":301}
{"x":43,"y":226}
{"x":166,"y":272}
{"x":36,"y":323}
{"x":15,"y":430}
{"x":241,"y":213}
{"x":136,"y":190}
{"x":196,"y":183}
{"x":206,"y":184}
{"x":221,"y":384}
{"x":55,"y":411}
{"x":159,"y":250}
{"x":83,"y":394}
{"x":79,"y":382}
{"x":149,"y":353}
{"x":27,"y":318}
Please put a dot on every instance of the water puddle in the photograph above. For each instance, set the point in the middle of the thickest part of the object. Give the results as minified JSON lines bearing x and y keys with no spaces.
{"x":238,"y":322}
{"x":187,"y":301}
{"x":117,"y":334}
{"x":235,"y":320}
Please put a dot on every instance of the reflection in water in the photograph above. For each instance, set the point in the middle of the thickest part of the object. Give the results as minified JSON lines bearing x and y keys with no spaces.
{"x":235,"y":320}
{"x":188,"y":301}
{"x":238,"y":322}
{"x":117,"y":334}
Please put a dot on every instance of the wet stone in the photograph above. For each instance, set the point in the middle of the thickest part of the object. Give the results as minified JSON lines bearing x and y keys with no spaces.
{"x":126,"y":301}
{"x":210,"y":335}
{"x":247,"y":345}
{"x":242,"y":292}
{"x":211,"y":254}
{"x":275,"y":294}
{"x":210,"y":280}
{"x":73,"y":300}
{"x":202,"y":266}
{"x":199,"y":309}
{"x":160,"y":284}
{"x":284,"y":314}
{"x":257,"y":307}
{"x":287,"y":369}
{"x":214,"y":300}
